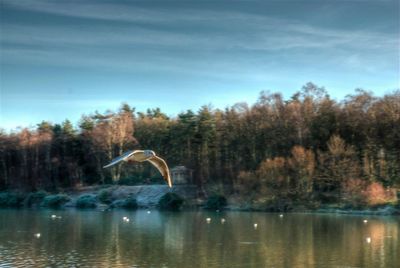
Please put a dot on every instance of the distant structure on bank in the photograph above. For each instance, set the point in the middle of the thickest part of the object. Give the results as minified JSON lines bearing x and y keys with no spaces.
{"x":181,"y":175}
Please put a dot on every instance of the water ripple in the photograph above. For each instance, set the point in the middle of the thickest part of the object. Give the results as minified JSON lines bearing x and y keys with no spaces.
{"x":177,"y":240}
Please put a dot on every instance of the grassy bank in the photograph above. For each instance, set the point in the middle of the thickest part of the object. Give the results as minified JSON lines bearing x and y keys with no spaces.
{"x":105,"y":197}
{"x":162,"y":197}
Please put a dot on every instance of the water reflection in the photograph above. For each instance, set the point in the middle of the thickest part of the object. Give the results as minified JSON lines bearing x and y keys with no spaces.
{"x":104,"y":239}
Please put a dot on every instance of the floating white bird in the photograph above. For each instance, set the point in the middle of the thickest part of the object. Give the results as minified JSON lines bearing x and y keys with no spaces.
{"x":208,"y":220}
{"x":37,"y":235}
{"x":281,"y":215}
{"x":223,"y":220}
{"x":365,"y":221}
{"x":148,"y":212}
{"x":141,"y":156}
{"x":53,"y":216}
{"x":255,"y":225}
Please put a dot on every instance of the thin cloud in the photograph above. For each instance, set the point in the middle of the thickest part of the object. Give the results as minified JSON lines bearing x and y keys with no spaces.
{"x":268,"y":38}
{"x":139,"y":48}
{"x":125,"y":13}
{"x":192,"y":46}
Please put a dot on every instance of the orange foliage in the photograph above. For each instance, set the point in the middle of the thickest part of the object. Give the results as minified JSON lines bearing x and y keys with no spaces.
{"x":376,"y":194}
{"x":273,"y":171}
{"x":303,"y":161}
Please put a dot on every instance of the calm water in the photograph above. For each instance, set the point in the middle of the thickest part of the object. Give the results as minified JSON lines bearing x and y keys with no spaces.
{"x":175,"y":240}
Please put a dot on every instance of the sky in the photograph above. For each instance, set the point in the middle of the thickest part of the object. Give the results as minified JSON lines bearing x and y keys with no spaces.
{"x":62,"y":59}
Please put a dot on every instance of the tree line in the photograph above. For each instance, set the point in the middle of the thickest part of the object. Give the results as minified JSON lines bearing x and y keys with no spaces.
{"x":306,"y":146}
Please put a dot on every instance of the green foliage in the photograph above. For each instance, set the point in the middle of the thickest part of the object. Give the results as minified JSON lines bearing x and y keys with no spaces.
{"x":68,"y":128}
{"x":55,"y":201}
{"x":128,"y":203}
{"x":216,"y":202}
{"x":170,"y":201}
{"x":86,"y":201}
{"x":44,"y":126}
{"x":86,"y":123}
{"x":35,"y":198}
{"x":11,"y":199}
{"x":105,"y":196}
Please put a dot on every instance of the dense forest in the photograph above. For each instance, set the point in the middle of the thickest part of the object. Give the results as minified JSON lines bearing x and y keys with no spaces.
{"x":307,"y":147}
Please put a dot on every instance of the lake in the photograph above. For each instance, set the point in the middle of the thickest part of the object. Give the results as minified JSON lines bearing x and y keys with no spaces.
{"x":185,"y":239}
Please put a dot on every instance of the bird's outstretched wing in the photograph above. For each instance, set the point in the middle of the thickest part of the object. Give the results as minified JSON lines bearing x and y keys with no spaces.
{"x":160,"y":164}
{"x":120,"y":158}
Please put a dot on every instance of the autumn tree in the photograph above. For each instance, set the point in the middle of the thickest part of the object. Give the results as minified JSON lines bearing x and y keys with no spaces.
{"x":337,"y":165}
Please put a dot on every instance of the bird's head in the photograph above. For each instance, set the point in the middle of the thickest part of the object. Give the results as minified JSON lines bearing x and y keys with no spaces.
{"x":149,"y":153}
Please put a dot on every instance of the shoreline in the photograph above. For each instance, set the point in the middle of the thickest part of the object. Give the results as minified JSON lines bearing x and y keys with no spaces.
{"x":147,"y":197}
{"x":102,"y":208}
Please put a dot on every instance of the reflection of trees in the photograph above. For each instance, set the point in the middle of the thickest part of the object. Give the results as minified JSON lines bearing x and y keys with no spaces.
{"x":174,"y":234}
{"x":186,"y":240}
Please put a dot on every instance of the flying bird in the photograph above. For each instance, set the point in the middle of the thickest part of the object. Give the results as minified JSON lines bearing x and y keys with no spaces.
{"x":141,"y":156}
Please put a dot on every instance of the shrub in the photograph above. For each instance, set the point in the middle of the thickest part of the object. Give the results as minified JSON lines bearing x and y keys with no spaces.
{"x":9,"y":199}
{"x":86,"y":201}
{"x":378,"y":195}
{"x":128,"y":203}
{"x":105,"y":196}
{"x":35,"y":198}
{"x":170,"y":201}
{"x":216,"y":202}
{"x":55,"y":201}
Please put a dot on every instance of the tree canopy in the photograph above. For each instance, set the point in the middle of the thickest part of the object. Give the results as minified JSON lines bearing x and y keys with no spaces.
{"x":295,"y":147}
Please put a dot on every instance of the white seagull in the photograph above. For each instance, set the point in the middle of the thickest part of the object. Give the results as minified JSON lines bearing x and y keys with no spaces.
{"x":141,"y":156}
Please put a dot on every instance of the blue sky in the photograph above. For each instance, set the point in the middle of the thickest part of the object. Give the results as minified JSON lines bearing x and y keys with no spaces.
{"x":60,"y":59}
